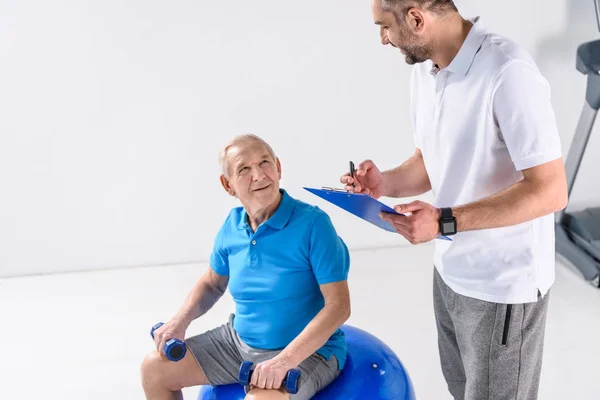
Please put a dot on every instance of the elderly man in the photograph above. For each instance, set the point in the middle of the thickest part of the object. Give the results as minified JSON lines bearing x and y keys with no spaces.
{"x":286,"y":269}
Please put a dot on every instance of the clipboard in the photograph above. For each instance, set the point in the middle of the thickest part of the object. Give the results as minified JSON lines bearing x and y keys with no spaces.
{"x":360,"y":205}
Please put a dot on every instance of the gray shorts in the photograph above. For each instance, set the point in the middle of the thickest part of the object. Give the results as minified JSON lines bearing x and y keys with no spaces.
{"x":220,"y":352}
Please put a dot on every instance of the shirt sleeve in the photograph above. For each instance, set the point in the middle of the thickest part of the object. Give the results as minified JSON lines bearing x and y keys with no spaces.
{"x":219,"y":260}
{"x":523,"y":112}
{"x":328,"y":254}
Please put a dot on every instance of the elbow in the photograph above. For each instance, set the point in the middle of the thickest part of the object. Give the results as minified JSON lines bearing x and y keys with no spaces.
{"x":426,"y":187}
{"x":341,"y":313}
{"x":562,"y":203}
{"x":346,"y":314}
{"x":562,"y":193}
{"x":556,"y":204}
{"x":560,"y":198}
{"x":425,"y":184}
{"x":551,"y":195}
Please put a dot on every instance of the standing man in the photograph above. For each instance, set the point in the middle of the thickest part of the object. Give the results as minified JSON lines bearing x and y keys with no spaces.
{"x":487,"y":146}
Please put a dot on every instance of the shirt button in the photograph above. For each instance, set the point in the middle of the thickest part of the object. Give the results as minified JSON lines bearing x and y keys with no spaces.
{"x":254,"y":242}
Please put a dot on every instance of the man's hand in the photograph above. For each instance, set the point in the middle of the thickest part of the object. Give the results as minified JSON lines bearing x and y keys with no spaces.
{"x":420,"y":223}
{"x":368,"y":179}
{"x":271,"y":373}
{"x":174,"y":329}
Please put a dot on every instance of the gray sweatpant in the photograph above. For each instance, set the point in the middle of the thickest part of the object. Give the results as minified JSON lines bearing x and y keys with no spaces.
{"x":488,"y":350}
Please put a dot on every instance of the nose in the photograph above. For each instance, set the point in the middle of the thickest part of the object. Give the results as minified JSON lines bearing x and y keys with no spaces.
{"x":384,"y":37}
{"x":257,"y":174}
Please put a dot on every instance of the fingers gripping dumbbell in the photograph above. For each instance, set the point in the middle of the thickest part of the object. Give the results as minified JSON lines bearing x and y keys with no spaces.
{"x":290,"y":383}
{"x":174,"y":348}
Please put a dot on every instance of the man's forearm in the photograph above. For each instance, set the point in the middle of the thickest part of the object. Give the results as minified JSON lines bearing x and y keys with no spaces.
{"x":201,"y":299}
{"x":409,"y":179}
{"x":316,"y":333}
{"x":519,"y":203}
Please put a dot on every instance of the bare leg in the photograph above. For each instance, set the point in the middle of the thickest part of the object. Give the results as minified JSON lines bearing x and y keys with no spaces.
{"x":267,"y":394}
{"x":163,"y":379}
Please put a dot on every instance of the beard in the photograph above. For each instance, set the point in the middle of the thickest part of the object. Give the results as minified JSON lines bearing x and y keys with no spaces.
{"x":414,"y":52}
{"x":416,"y":56}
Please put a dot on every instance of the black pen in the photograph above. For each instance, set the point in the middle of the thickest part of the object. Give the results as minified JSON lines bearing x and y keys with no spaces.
{"x":352,"y":170}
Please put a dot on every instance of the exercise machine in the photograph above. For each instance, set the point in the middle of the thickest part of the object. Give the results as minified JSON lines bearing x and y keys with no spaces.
{"x":578,"y":233}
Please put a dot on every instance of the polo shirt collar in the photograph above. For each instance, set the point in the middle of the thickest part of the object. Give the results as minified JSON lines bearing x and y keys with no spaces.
{"x":280,"y":217}
{"x":464,"y":58}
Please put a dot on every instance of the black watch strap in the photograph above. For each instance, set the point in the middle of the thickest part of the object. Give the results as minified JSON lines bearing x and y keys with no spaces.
{"x":446,"y":213}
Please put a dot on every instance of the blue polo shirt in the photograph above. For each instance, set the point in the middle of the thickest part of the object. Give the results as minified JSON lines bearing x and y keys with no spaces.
{"x":275,"y":273}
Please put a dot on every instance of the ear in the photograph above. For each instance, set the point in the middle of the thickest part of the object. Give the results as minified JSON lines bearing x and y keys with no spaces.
{"x":415,"y":18}
{"x":227,"y":185}
{"x":278,"y":166}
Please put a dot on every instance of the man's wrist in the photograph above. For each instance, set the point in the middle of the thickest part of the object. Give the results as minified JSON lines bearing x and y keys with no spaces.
{"x":385,"y":184}
{"x":438,"y":219}
{"x":287,"y":359}
{"x":447,"y":222}
{"x":183,"y":318}
{"x":459,"y":214}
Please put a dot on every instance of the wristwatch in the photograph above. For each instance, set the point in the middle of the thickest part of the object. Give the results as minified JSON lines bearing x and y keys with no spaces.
{"x":447,"y":222}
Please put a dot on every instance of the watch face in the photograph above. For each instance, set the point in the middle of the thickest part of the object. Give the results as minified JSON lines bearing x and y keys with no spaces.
{"x":449,"y":227}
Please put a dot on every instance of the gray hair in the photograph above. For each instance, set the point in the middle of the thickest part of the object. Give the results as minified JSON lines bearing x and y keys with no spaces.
{"x":402,"y":6}
{"x":236,"y":141}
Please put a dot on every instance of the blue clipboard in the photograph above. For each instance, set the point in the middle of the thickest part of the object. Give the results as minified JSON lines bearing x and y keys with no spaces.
{"x":360,"y":205}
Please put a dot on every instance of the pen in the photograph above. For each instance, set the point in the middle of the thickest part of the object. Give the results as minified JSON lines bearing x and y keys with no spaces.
{"x":352,"y":171}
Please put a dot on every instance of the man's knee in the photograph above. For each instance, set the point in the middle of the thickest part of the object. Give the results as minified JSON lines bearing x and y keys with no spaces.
{"x":154,"y":372}
{"x":158,"y":372}
{"x":151,"y":364}
{"x":265,"y":394}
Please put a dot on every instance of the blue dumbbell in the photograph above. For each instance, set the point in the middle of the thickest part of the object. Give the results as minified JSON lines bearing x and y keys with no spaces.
{"x":174,"y":348}
{"x":290,"y":382}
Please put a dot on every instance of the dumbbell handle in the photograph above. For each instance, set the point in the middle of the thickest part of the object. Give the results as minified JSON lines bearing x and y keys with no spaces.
{"x":175,"y":349}
{"x":290,"y":382}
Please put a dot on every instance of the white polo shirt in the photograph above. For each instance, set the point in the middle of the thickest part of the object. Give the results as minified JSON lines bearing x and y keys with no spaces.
{"x":478,"y":123}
